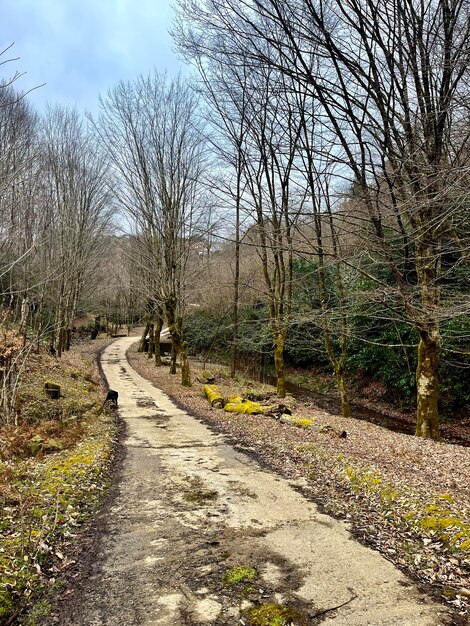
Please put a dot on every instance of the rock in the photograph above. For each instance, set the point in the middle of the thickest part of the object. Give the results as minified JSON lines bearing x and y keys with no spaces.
{"x":52,"y":390}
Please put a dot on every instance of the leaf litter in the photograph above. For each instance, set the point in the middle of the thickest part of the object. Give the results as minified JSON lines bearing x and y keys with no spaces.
{"x":407,"y":497}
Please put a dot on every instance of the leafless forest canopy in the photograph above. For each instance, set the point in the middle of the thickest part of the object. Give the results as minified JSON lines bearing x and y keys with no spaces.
{"x":302,"y":198}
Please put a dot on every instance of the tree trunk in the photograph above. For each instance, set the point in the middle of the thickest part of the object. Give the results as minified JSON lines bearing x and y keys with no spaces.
{"x":143,"y":338}
{"x":173,"y":355}
{"x":343,"y":393}
{"x":279,"y":343}
{"x":60,"y":342}
{"x":175,"y":336}
{"x":236,"y":281}
{"x":185,"y":370}
{"x":68,"y":339}
{"x":178,"y":346}
{"x":427,"y":417}
{"x":158,"y":332}
{"x":428,"y":268}
{"x":151,"y":349}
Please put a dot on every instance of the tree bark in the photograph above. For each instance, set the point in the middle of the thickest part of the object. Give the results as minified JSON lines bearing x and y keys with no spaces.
{"x":279,"y":343}
{"x":151,"y":349}
{"x":143,"y":338}
{"x":236,"y":281}
{"x":178,"y":345}
{"x":175,"y":339}
{"x":68,"y":338}
{"x":158,"y":332}
{"x":428,"y":266}
{"x":343,"y":393}
{"x":185,"y":369}
{"x":427,"y":415}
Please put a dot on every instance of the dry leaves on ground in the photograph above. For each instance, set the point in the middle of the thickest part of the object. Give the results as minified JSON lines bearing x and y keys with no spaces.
{"x":407,"y":497}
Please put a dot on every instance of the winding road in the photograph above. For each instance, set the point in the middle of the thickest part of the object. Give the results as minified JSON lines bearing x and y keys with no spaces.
{"x":189,"y":506}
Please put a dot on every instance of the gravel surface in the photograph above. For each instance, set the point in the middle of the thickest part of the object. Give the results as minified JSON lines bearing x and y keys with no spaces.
{"x":405,"y":496}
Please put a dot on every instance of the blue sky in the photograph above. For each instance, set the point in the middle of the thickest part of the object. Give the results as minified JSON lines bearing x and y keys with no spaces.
{"x":80,"y":48}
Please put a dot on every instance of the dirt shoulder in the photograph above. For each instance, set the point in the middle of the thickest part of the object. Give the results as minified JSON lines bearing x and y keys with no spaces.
{"x":406,"y":497}
{"x":55,"y":465}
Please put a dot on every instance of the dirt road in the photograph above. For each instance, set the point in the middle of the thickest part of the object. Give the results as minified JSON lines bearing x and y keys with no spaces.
{"x":193,"y":513}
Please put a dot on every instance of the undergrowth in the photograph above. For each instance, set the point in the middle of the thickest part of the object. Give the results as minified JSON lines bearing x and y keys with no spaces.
{"x":52,"y":474}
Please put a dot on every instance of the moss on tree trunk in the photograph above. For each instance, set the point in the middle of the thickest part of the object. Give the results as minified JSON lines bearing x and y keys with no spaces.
{"x":178,"y":345}
{"x":427,"y":416}
{"x":185,"y":370}
{"x":279,"y":343}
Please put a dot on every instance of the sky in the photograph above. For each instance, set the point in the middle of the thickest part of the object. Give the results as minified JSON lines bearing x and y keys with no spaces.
{"x":81,"y":48}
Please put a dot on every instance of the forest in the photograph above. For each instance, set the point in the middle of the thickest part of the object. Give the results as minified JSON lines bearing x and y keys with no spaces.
{"x":300,"y":200}
{"x":294,"y":206}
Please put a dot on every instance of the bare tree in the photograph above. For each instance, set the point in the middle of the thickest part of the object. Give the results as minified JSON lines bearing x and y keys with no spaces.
{"x":227,"y":101}
{"x":150,"y":131}
{"x":76,"y":210}
{"x":393,"y":89}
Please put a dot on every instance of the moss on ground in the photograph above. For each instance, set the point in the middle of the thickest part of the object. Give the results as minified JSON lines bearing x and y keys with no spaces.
{"x":241,"y":573}
{"x":431,"y":519}
{"x":197,"y":493}
{"x":47,"y":491}
{"x":200,"y":497}
{"x":275,"y":615}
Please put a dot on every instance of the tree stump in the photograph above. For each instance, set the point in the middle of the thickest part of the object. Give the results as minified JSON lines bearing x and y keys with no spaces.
{"x":52,"y":390}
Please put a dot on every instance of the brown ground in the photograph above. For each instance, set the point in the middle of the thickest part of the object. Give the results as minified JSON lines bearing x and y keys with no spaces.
{"x":428,"y":479}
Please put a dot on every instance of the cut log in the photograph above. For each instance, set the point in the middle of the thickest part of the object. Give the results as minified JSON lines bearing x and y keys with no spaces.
{"x":247,"y":406}
{"x":214,"y":396}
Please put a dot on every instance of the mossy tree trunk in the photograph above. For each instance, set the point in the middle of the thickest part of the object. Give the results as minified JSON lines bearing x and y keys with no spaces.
{"x":427,"y":415}
{"x":343,"y":393}
{"x":173,"y":357}
{"x":428,"y":266}
{"x":279,"y":346}
{"x":178,"y":345}
{"x":185,"y":369}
